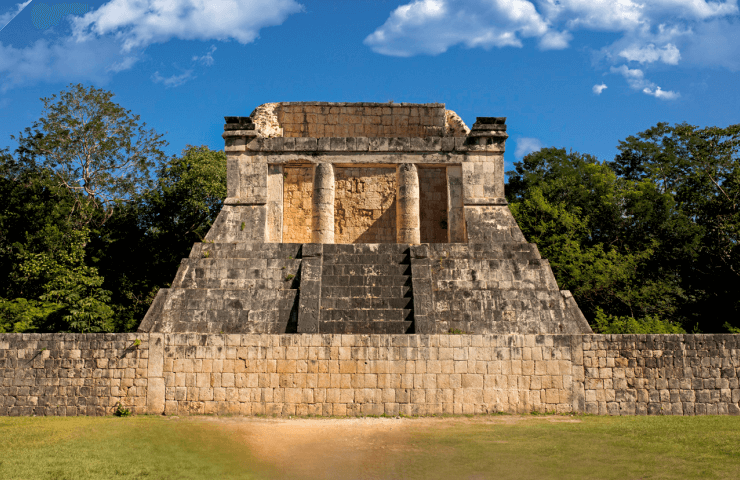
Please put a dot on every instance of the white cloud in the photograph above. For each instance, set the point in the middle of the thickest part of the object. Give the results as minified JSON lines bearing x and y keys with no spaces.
{"x":173,"y":80}
{"x":137,"y":23}
{"x":63,"y":61}
{"x":6,"y":17}
{"x":433,"y":26}
{"x":525,"y":146}
{"x":611,"y":15}
{"x":668,"y":32}
{"x":637,"y":81}
{"x":649,"y":53}
{"x":597,"y":89}
{"x":659,"y":93}
{"x":206,"y":59}
{"x":112,"y":38}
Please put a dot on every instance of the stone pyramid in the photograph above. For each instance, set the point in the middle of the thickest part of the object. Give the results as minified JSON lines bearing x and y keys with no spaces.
{"x":364,"y":218}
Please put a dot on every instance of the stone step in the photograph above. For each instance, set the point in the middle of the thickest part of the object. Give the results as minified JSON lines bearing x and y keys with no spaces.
{"x":230,"y":321}
{"x":375,"y":259}
{"x":375,"y":315}
{"x":518,"y":250}
{"x":366,"y":303}
{"x":491,"y":300}
{"x":285,"y":251}
{"x":366,"y":249}
{"x":374,"y":292}
{"x":284,"y":283}
{"x":238,"y":273}
{"x":227,"y":299}
{"x":368,"y":328}
{"x":368,"y":269}
{"x":366,"y":281}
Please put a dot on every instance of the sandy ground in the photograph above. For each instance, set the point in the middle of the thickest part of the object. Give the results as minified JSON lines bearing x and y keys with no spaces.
{"x":346,"y":448}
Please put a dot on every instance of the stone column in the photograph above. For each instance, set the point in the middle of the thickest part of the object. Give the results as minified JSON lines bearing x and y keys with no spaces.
{"x":322,"y":215}
{"x":407,"y":204}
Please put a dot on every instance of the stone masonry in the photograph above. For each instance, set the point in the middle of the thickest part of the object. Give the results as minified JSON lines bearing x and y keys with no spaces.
{"x":364,"y":218}
{"x":310,"y":374}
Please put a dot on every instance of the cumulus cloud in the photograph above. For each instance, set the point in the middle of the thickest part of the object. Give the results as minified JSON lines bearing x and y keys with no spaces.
{"x":6,"y":17}
{"x":650,"y":53}
{"x":433,"y":26}
{"x":138,"y":23}
{"x":206,"y":59}
{"x":112,"y":38}
{"x":525,"y":146}
{"x":65,"y":60}
{"x":700,"y":32}
{"x":637,"y":81}
{"x":173,"y":80}
{"x":597,"y":89}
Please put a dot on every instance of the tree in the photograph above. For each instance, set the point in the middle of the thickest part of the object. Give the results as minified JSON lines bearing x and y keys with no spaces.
{"x":94,"y":148}
{"x":583,"y":218}
{"x":158,"y":230}
{"x":698,"y":169}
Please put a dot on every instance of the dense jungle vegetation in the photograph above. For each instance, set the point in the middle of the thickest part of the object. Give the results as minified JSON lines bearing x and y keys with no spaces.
{"x":95,"y":219}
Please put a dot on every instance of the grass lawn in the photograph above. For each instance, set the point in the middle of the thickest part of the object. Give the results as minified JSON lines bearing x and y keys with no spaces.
{"x":497,"y":447}
{"x":78,"y":448}
{"x":594,"y":448}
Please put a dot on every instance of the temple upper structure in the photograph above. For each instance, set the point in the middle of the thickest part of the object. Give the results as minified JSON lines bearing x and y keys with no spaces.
{"x":364,"y":218}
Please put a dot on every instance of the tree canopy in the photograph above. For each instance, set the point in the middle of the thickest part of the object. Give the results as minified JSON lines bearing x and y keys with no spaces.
{"x":646,"y":241}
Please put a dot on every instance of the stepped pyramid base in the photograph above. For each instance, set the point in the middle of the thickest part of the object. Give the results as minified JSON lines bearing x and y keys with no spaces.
{"x":365,"y":289}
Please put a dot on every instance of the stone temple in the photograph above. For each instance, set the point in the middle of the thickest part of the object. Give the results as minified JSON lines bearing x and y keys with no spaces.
{"x":364,"y":218}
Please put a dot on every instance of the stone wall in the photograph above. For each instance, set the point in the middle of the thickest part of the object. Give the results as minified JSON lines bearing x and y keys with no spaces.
{"x":88,"y":374}
{"x":662,"y":374}
{"x":75,"y":374}
{"x":297,"y":199}
{"x":324,"y":119}
{"x":364,"y":205}
{"x":433,"y":202}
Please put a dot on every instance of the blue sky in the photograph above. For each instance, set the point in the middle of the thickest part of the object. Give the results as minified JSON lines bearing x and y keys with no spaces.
{"x":579,"y":74}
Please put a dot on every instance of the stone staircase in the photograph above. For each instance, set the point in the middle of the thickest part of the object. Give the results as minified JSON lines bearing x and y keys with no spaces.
{"x":366,"y":288}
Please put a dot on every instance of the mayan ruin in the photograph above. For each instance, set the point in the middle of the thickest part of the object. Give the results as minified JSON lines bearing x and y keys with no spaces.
{"x":364,"y":218}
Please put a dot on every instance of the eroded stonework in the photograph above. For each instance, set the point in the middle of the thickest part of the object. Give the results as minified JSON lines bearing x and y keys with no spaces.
{"x":364,"y":218}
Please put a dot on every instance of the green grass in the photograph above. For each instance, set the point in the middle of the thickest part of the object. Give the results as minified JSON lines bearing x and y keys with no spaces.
{"x":595,"y":448}
{"x":113,"y":447}
{"x":498,"y":447}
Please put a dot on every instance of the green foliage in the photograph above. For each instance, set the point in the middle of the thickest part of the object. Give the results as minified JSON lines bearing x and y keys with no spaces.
{"x":94,"y":148}
{"x":604,"y":323}
{"x":648,"y":242}
{"x":121,"y":410}
{"x":22,"y":315}
{"x":290,"y":276}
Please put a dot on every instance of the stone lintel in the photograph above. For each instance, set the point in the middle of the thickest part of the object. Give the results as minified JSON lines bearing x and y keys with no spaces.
{"x":486,"y":201}
{"x":363,"y":144}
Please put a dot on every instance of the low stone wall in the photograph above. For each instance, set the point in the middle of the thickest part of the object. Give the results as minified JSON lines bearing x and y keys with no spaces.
{"x":662,"y":374}
{"x":75,"y":374}
{"x":88,"y":374}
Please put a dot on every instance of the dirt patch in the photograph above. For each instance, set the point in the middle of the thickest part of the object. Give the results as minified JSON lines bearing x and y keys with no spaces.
{"x":343,"y":448}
